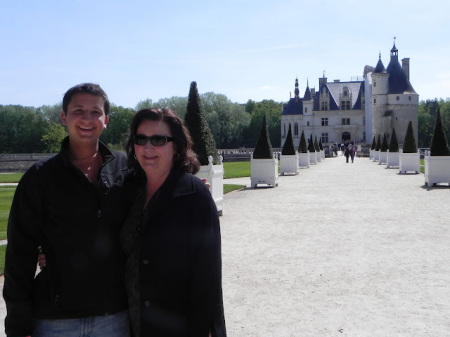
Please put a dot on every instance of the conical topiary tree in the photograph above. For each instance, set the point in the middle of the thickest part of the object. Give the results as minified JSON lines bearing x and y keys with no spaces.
{"x":393,"y":143}
{"x":320,"y":144}
{"x":204,"y":144}
{"x":384,"y":145}
{"x":311,"y":147}
{"x":409,"y":145}
{"x":378,"y":146}
{"x":302,"y":148}
{"x":316,"y":144}
{"x":439,"y":145}
{"x":263,"y":148}
{"x":288,"y":147}
{"x":374,"y":143}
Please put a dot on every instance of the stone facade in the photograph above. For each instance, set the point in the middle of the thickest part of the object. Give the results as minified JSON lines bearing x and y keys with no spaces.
{"x":357,"y":110}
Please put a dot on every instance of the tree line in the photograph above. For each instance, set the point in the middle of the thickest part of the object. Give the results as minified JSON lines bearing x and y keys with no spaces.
{"x":233,"y":125}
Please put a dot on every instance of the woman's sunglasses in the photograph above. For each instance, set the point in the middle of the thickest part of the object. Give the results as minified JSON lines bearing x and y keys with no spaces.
{"x":155,"y":140}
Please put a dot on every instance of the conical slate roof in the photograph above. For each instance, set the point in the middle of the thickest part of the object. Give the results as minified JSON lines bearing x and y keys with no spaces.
{"x":380,"y":67}
{"x":398,"y":81}
{"x":307,"y":96}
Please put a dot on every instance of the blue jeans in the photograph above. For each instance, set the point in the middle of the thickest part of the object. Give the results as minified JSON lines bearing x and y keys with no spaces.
{"x":116,"y":325}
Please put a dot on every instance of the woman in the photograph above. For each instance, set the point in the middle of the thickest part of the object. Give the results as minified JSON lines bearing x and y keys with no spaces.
{"x":172,"y":235}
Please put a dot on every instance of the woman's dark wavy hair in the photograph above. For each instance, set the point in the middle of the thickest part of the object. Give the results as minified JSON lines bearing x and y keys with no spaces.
{"x":184,"y":159}
{"x":86,"y":88}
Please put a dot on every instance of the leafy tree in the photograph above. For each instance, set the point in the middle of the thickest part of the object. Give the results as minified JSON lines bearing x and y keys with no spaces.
{"x":409,"y":145}
{"x":384,"y":145}
{"x":288,"y":147}
{"x":144,"y":104}
{"x":175,"y":103}
{"x":21,"y":129}
{"x":225,"y":119}
{"x":272,"y":111}
{"x":204,"y":144}
{"x":263,"y":148}
{"x":51,"y":113}
{"x":117,"y":130}
{"x":250,"y":106}
{"x":425,"y":126}
{"x":393,"y":143}
{"x":439,"y":145}
{"x":302,"y":148}
{"x":51,"y":141}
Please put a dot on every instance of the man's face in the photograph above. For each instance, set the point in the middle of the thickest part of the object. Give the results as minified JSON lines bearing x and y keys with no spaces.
{"x":85,"y":118}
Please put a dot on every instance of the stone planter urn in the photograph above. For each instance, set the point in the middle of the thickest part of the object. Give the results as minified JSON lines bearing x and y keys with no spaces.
{"x":313,"y":157}
{"x":393,"y":159}
{"x":383,"y":158}
{"x":303,"y":159}
{"x":437,"y":169}
{"x":319,"y":156}
{"x":376,"y":155}
{"x":264,"y":172}
{"x":409,"y":162}
{"x":214,"y":175}
{"x":289,"y":164}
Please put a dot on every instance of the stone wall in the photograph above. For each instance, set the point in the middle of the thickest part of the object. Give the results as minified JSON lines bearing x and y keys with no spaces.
{"x":20,"y":162}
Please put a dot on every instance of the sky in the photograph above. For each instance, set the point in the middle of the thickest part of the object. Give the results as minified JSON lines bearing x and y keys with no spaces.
{"x":243,"y":49}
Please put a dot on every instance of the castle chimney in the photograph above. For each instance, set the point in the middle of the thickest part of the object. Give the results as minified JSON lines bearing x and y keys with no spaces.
{"x":405,"y":66}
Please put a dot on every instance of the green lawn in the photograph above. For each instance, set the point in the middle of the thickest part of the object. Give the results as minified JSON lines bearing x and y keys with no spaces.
{"x":10,"y":177}
{"x":2,"y":259}
{"x":6,"y":196}
{"x":236,"y":169}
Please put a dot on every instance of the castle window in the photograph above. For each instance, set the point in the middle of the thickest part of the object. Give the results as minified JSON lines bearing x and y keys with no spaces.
{"x":345,"y":105}
{"x":374,"y":84}
{"x":324,"y":121}
{"x":398,"y":98}
{"x":324,"y":106}
{"x":409,"y":97}
{"x":324,"y":137}
{"x":374,"y":100}
{"x":345,"y":121}
{"x":296,"y":129}
{"x":306,"y":110}
{"x":307,"y":123}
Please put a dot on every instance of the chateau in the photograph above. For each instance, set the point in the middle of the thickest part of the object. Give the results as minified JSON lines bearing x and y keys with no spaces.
{"x":358,"y":110}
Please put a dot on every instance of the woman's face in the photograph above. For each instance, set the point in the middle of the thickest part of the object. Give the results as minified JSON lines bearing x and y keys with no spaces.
{"x":156,"y":161}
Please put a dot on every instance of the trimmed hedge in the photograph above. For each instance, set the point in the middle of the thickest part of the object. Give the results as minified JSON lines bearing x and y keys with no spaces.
{"x":384,"y":145}
{"x":263,"y":148}
{"x":288,"y":147}
{"x":439,"y":145}
{"x":409,"y":145}
{"x":204,"y":144}
{"x":393,"y":143}
{"x":302,"y":148}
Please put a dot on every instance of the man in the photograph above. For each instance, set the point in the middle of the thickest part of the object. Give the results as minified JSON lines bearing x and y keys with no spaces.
{"x":71,"y":207}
